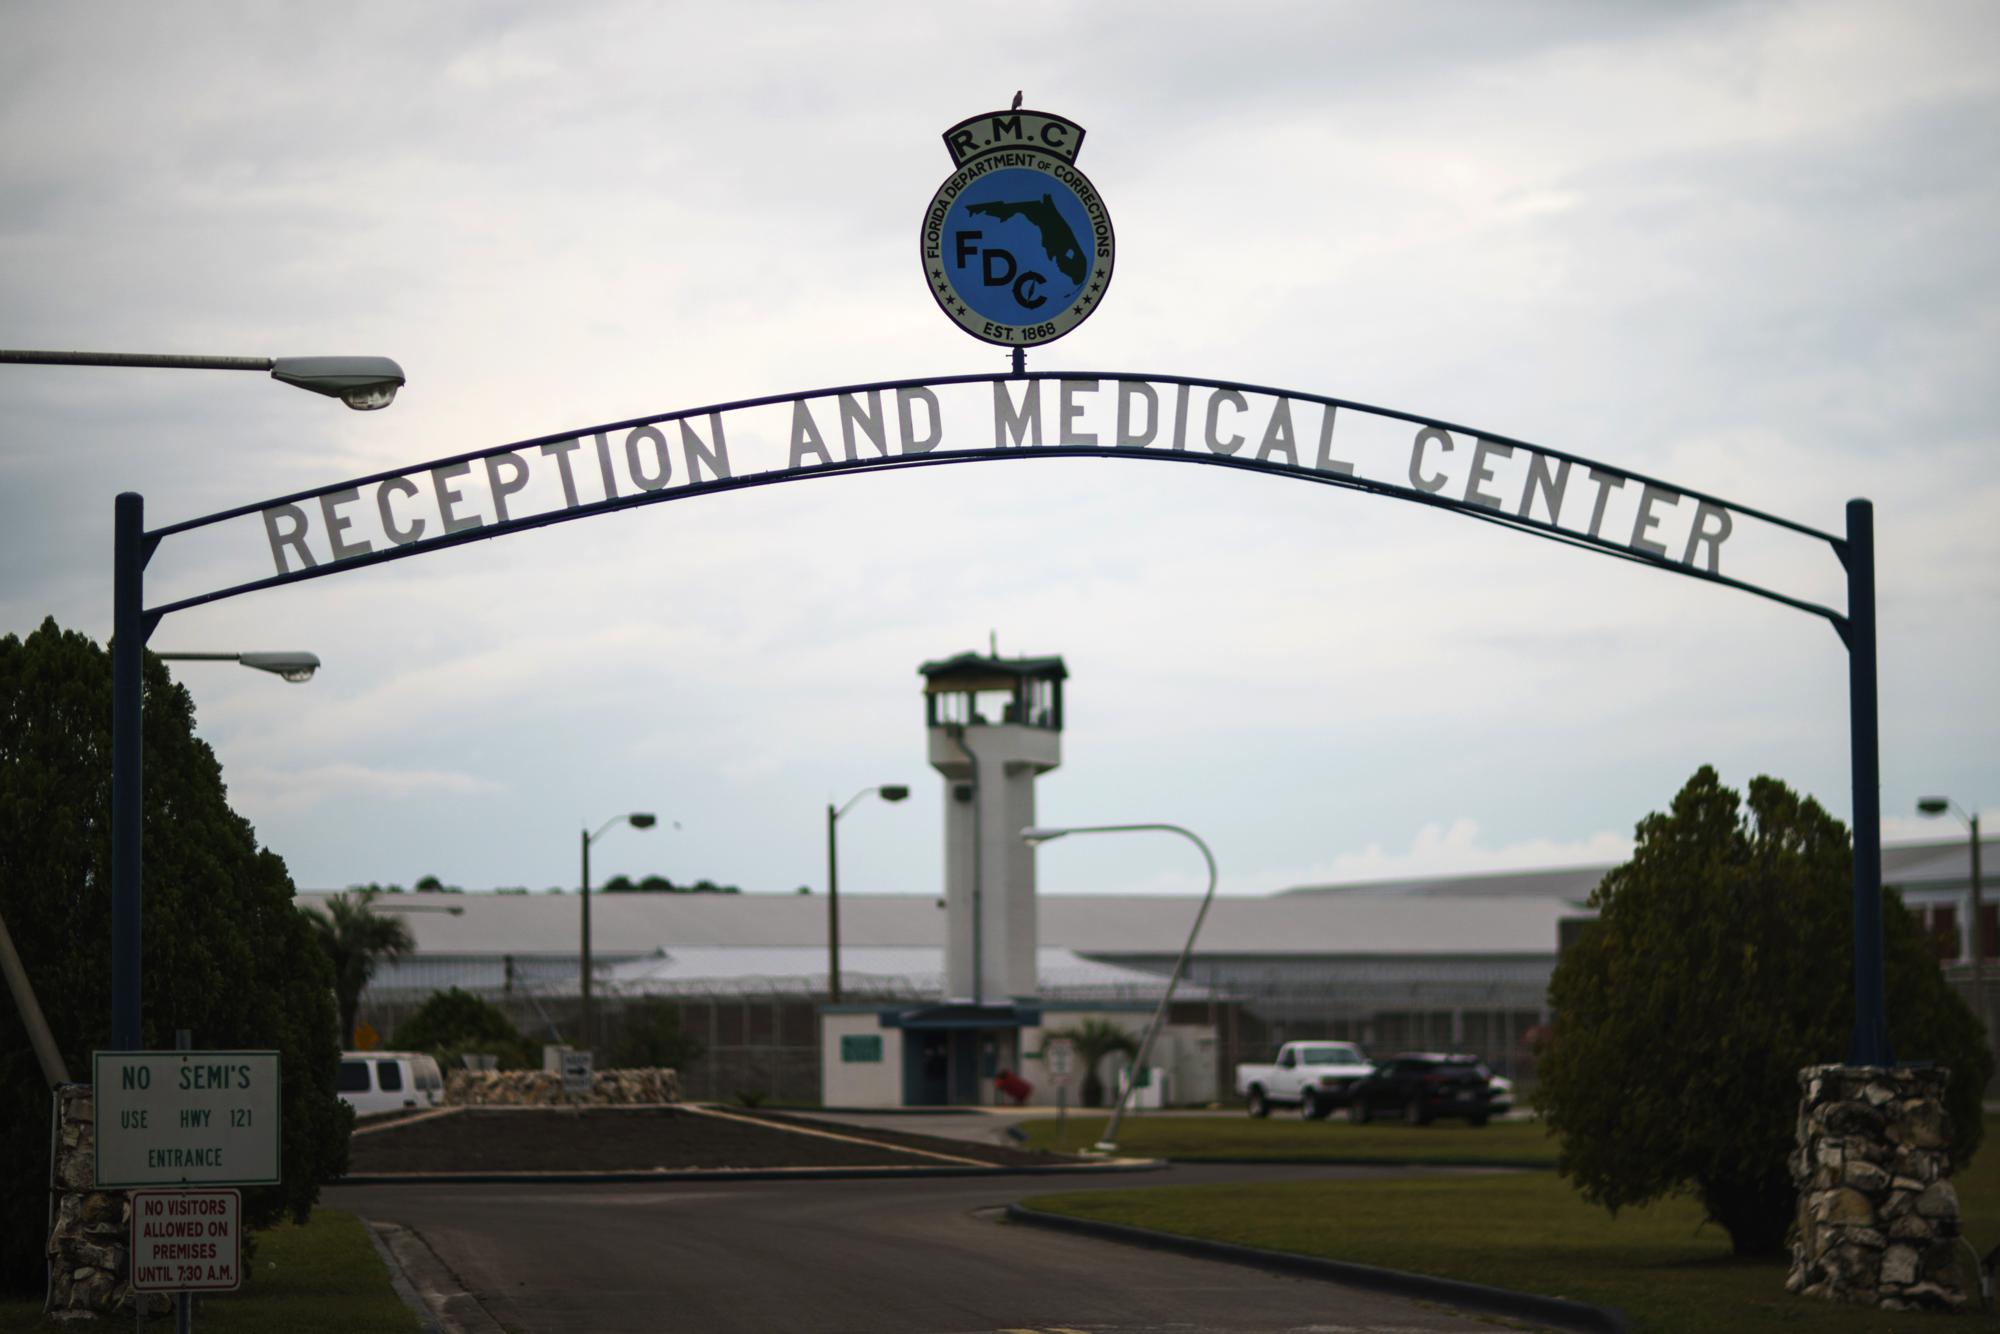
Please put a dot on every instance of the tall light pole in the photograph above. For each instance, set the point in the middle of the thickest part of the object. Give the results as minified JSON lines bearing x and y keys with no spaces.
{"x":888,"y":792}
{"x":293,"y":667}
{"x":638,"y":820}
{"x":1939,"y":806}
{"x":1042,"y":834}
{"x":365,"y":383}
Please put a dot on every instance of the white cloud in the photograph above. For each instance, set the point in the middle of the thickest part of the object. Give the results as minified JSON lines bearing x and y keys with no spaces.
{"x":256,"y":791}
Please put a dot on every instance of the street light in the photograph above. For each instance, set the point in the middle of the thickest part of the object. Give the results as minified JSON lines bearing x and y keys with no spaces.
{"x":363,"y":383}
{"x":293,"y":667}
{"x":1939,"y":806}
{"x":888,"y":792}
{"x":638,"y":820}
{"x":1043,"y":834}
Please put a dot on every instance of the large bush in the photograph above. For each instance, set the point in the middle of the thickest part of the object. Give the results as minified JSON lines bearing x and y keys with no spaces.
{"x":226,"y":955}
{"x":1721,"y":962}
{"x":649,"y":1035}
{"x":451,"y":1023}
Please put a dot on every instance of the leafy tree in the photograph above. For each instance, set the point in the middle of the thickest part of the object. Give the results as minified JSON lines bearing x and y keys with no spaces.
{"x":651,"y":1035}
{"x":1719,"y":965}
{"x":659,"y":884}
{"x":430,"y":884}
{"x":355,"y":940}
{"x":451,"y":1023}
{"x":1096,"y":1039}
{"x":227,"y":956}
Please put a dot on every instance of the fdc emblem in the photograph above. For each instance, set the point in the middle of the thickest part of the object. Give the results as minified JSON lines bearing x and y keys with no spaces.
{"x":1016,"y":244}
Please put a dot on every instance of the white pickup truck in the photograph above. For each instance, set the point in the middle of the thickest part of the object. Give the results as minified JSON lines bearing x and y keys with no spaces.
{"x":1310,"y":1075}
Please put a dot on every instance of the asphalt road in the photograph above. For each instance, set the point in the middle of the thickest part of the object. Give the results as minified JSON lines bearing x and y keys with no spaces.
{"x":851,"y":1257}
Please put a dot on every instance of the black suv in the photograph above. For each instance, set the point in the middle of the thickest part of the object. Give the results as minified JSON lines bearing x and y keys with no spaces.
{"x":1422,"y":1086}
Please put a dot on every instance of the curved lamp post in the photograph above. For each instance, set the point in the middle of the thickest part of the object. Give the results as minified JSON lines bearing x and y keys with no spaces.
{"x":293,"y":667}
{"x":888,"y":792}
{"x":638,"y":820}
{"x":1042,"y":834}
{"x":1941,"y":806}
{"x":363,"y":383}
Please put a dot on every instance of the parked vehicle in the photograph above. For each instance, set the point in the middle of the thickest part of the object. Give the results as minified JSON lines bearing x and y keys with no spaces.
{"x":372,"y":1082}
{"x":1421,"y":1086}
{"x":1312,"y":1076}
{"x":1503,"y":1093}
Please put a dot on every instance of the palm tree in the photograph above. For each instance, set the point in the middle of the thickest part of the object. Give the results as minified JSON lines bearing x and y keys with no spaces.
{"x":356,"y":940}
{"x":1094,"y":1040}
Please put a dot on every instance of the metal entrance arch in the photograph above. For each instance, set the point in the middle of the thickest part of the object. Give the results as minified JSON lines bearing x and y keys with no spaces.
{"x":899,"y":424}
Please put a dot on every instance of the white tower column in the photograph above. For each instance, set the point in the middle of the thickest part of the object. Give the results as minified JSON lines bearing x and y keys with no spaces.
{"x":994,"y":727}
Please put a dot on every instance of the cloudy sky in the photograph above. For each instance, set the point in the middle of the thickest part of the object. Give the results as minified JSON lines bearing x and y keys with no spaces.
{"x":1747,"y":248}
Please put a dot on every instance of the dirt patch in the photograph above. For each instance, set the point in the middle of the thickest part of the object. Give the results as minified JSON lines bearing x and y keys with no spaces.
{"x":606,"y":1139}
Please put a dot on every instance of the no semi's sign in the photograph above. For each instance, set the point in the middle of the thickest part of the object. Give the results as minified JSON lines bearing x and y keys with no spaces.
{"x":187,"y":1118}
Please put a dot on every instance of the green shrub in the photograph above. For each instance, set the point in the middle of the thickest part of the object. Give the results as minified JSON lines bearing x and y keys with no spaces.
{"x":452,"y":1023}
{"x":1720,"y":964}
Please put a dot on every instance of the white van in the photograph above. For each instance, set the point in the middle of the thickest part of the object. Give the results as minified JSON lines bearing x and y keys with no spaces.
{"x":372,"y":1082}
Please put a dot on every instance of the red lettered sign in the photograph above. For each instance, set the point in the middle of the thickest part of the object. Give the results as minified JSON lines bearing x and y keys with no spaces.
{"x":187,"y":1240}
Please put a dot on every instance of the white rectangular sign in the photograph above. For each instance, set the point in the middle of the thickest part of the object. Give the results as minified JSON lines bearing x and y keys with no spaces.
{"x":187,"y":1118}
{"x":1060,"y":1054}
{"x":187,"y":1240}
{"x":577,"y":1077}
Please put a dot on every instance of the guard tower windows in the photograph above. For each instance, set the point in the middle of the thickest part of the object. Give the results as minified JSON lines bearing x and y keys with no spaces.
{"x":974,"y":691}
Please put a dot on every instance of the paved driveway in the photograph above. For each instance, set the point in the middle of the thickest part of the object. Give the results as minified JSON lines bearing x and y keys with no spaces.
{"x":851,"y":1257}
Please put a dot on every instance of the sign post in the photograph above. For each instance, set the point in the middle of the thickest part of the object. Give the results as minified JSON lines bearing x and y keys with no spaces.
{"x":577,"y":1067}
{"x":1059,"y":1054}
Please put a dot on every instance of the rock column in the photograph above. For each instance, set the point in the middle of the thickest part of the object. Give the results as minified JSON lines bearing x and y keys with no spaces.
{"x":1878,"y":1221}
{"x":89,"y":1246}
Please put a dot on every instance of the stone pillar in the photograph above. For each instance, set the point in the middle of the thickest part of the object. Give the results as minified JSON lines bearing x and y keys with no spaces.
{"x":89,"y":1245}
{"x":1878,"y":1221}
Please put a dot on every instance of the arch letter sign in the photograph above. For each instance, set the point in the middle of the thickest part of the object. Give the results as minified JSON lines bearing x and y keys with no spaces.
{"x":1017,"y":249}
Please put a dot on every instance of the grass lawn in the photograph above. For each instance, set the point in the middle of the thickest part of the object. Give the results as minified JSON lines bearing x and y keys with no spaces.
{"x":1660,"y":1265}
{"x":323,"y":1278}
{"x":1521,"y":1143}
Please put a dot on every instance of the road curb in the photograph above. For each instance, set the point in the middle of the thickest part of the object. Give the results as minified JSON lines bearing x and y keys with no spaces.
{"x":427,"y":1285}
{"x":1509,"y":1164}
{"x":1479,"y":1297}
{"x":714,"y":1175}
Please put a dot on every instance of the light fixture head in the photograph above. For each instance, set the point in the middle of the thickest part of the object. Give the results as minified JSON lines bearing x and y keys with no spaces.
{"x":293,"y":667}
{"x":1041,"y":833}
{"x":1933,"y":805}
{"x":363,"y":383}
{"x":643,"y":819}
{"x":893,"y":791}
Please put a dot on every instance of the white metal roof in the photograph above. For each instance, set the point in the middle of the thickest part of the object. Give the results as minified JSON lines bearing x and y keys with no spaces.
{"x":869,"y":969}
{"x":1285,"y":924}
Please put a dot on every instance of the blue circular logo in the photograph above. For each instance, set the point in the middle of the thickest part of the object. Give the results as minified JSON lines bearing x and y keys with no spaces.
{"x":1017,"y":247}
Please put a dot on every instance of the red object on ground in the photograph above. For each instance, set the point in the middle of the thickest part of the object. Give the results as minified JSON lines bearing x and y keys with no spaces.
{"x":1013,"y":1086}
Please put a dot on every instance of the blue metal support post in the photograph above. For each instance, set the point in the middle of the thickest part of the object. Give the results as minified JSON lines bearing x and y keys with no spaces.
{"x":128,"y":648}
{"x":1871,"y":1023}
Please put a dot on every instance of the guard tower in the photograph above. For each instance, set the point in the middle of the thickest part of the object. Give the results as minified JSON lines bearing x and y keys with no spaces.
{"x":995,"y":725}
